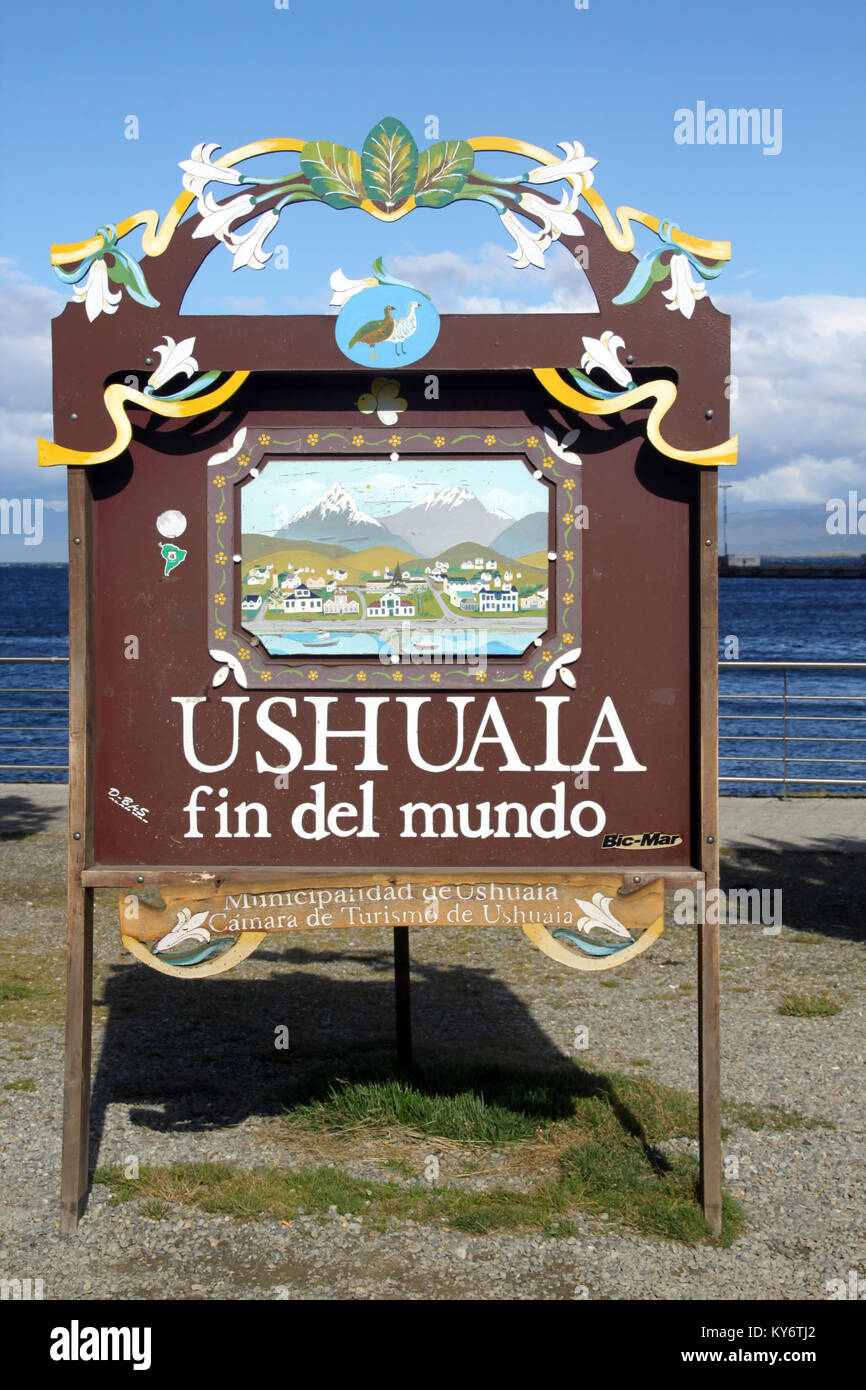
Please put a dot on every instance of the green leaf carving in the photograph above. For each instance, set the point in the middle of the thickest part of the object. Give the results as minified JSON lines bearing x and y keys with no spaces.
{"x":334,"y":172}
{"x":389,"y":163}
{"x":443,"y":169}
{"x":124,"y":270}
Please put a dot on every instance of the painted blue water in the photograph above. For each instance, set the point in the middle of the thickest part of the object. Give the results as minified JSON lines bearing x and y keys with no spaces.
{"x":460,"y":644}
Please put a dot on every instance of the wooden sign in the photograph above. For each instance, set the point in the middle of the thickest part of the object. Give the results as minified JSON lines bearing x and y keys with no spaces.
{"x":588,"y":922}
{"x":398,"y":610}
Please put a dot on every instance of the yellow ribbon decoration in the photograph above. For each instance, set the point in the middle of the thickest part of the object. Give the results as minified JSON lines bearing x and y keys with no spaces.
{"x":662,"y":392}
{"x":117,"y":398}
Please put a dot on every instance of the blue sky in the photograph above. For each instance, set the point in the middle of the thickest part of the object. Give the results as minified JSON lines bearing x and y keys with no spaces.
{"x":611,"y":76}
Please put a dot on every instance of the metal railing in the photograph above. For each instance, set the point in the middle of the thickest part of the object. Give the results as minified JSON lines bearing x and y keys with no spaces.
{"x":796,"y":724}
{"x":26,"y":703}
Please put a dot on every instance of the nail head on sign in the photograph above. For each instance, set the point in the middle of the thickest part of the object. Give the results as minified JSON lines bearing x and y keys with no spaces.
{"x":709,"y":415}
{"x":551,"y":554}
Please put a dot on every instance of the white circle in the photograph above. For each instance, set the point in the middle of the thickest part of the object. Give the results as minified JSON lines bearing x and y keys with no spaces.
{"x":538,"y":473}
{"x":171,"y":524}
{"x":395,"y":457}
{"x":551,"y":554}
{"x":395,"y":659}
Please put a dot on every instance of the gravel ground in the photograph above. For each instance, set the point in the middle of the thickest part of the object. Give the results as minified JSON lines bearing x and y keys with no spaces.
{"x":188,"y":1070}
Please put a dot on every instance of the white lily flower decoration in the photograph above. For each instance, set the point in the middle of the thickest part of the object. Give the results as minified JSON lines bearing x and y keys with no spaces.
{"x":248,"y":249}
{"x":598,"y":914}
{"x":559,"y":668}
{"x":560,"y":448}
{"x":174,"y":358}
{"x":216,"y":218}
{"x":601,"y":352}
{"x":200,"y":169}
{"x":684,"y":290}
{"x":531,"y":246}
{"x":344,"y":288}
{"x":186,"y":928}
{"x":229,"y":666}
{"x":557,"y":218}
{"x":226,"y":455}
{"x":576,"y":165}
{"x":94,"y":293}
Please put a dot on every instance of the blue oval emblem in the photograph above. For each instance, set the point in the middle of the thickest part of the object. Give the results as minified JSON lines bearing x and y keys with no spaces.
{"x":387,"y":325}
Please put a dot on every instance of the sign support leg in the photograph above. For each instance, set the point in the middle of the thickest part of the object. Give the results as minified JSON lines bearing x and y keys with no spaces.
{"x":76,"y":1079}
{"x":708,"y":933}
{"x":402,"y":1000}
{"x":79,"y":919}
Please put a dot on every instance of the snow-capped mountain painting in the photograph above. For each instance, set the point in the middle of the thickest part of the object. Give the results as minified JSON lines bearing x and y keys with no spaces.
{"x":454,"y":511}
{"x":335,"y":518}
{"x":348,"y":556}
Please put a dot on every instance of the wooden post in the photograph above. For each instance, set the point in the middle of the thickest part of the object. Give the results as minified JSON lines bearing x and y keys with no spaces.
{"x":708,"y":933}
{"x":79,"y":922}
{"x":403,"y":1000}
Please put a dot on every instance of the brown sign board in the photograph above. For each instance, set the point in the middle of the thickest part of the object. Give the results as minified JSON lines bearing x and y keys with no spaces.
{"x":430,"y":620}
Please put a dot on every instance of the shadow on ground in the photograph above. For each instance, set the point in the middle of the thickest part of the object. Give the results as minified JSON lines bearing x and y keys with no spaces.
{"x":821,"y":893}
{"x":22,"y":815}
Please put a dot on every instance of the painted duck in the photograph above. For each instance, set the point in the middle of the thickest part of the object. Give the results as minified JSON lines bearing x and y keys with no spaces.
{"x":375,"y":332}
{"x":405,"y":327}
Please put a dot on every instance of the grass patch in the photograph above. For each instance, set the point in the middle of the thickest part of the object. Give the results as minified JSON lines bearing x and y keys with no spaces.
{"x":20,"y":998}
{"x":655,"y":1202}
{"x":24,"y":1083}
{"x":494,"y":1105}
{"x":594,"y":1138}
{"x":808,"y":1005}
{"x":775,"y":1117}
{"x":382,"y":1106}
{"x":13,"y":986}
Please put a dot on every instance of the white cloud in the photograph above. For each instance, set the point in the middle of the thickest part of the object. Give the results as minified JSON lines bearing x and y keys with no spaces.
{"x":799,"y":364}
{"x":26,"y":311}
{"x":803,"y":481}
{"x":488,"y":282}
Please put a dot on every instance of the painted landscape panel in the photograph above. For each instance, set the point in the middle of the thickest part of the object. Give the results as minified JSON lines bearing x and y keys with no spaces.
{"x":438,"y":555}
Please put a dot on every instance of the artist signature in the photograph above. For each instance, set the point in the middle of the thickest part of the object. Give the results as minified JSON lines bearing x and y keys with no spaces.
{"x":128,"y":804}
